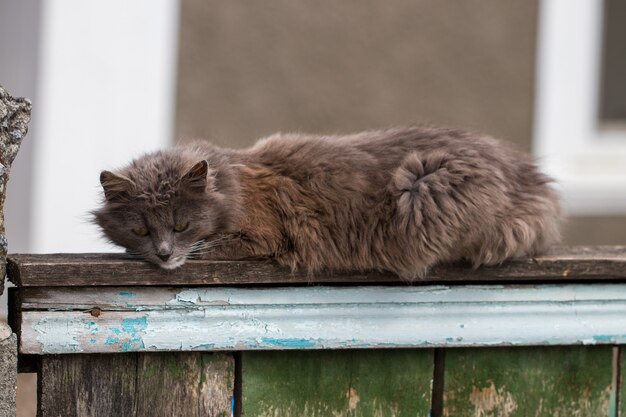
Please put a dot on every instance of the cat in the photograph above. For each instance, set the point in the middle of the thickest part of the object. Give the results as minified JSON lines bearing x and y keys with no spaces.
{"x":400,"y":200}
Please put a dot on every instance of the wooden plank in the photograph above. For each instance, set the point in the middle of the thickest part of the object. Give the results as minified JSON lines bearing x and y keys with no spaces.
{"x":103,"y":298}
{"x":392,"y":383}
{"x":512,"y":382}
{"x":558,"y":265}
{"x":172,"y":298}
{"x":220,"y":318}
{"x":185,"y":385}
{"x":621,"y":377}
{"x":337,"y":383}
{"x":87,"y":386}
{"x":137,"y":385}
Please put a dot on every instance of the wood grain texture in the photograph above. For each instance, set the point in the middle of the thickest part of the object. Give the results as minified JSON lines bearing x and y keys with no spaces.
{"x":337,"y":383}
{"x":185,"y":385}
{"x":88,"y":386}
{"x":537,"y":382}
{"x":558,"y":265}
{"x":620,"y":393}
{"x":136,"y":385}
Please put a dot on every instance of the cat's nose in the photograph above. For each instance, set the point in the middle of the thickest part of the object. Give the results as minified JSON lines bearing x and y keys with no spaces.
{"x":164,"y":256}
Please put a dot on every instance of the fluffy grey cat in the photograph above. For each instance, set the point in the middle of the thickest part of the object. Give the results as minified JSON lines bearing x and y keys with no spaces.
{"x":400,"y":200}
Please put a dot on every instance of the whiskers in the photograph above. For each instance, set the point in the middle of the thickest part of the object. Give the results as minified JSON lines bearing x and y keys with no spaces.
{"x":203,"y":246}
{"x":136,"y":255}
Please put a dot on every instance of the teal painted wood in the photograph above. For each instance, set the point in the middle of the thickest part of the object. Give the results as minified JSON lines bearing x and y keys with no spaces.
{"x":162,"y":319}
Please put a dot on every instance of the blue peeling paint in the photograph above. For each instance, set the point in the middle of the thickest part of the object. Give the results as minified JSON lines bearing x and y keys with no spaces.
{"x":134,"y":325}
{"x":128,"y":336}
{"x":202,"y":346}
{"x":133,"y":344}
{"x":92,"y":326}
{"x":291,"y":343}
{"x":126,"y":294}
{"x":607,"y":338}
{"x":111,"y":340}
{"x":92,"y":340}
{"x":131,"y":331}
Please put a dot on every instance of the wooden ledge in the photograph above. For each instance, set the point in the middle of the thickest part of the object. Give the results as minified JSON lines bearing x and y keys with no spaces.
{"x":561,"y":264}
{"x":140,"y":319}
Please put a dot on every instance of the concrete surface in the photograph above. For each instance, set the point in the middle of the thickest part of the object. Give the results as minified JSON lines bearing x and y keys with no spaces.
{"x":14,"y":118}
{"x":8,"y":371}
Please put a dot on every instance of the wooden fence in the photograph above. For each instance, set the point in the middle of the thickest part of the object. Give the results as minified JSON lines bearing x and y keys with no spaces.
{"x":111,"y":336}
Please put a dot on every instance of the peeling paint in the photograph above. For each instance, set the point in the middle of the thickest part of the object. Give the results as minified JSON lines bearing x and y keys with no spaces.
{"x":52,"y":341}
{"x":492,"y":402}
{"x":111,"y":340}
{"x":608,"y":338}
{"x":132,"y":325}
{"x":291,"y":343}
{"x":353,"y":399}
{"x":204,"y":346}
{"x":333,"y":318}
{"x":126,"y":294}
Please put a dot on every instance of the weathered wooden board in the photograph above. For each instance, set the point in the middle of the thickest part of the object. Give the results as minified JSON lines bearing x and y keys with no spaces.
{"x":216,"y":318}
{"x":87,"y":386}
{"x":560,"y":264}
{"x":391,"y":383}
{"x":171,"y":298}
{"x":137,"y":385}
{"x":185,"y":385}
{"x":528,"y":382}
{"x":621,"y":378}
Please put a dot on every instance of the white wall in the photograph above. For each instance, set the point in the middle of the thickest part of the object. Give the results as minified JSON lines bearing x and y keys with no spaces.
{"x":587,"y":159}
{"x":106,"y":94}
{"x":101,"y":75}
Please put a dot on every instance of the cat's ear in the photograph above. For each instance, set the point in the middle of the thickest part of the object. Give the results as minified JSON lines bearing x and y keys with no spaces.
{"x":115,"y":186}
{"x":198,"y":178}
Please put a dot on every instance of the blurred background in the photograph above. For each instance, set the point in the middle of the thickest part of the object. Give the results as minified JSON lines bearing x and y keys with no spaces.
{"x":112,"y":79}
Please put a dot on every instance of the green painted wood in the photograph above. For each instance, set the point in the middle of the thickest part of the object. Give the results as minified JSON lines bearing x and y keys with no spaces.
{"x":392,"y":382}
{"x":385,"y":383}
{"x":528,"y":382}
{"x":621,"y":376}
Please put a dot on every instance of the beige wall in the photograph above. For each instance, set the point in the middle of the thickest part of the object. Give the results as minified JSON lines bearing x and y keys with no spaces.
{"x":248,"y":69}
{"x":589,"y":230}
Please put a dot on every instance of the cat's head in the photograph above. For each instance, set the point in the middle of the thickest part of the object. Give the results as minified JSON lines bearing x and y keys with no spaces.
{"x":163,"y":206}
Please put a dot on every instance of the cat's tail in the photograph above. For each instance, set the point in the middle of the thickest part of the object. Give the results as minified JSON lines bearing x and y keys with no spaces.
{"x":427,"y":214}
{"x":421,"y":186}
{"x":450,"y":208}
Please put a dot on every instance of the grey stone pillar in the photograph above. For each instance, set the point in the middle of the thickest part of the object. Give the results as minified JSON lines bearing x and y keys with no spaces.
{"x":14,"y":118}
{"x":8,"y":371}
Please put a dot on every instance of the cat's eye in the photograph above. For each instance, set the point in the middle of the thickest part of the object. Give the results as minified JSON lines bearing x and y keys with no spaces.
{"x":181,"y":227}
{"x":141,"y":231}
